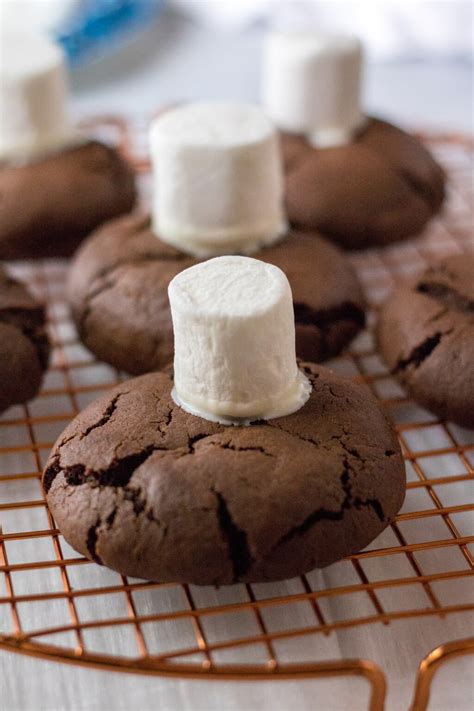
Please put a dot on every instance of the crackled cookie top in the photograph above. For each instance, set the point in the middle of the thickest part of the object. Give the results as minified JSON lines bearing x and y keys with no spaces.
{"x":426,"y":335}
{"x":24,"y":346}
{"x":118,"y":292}
{"x":140,"y":485}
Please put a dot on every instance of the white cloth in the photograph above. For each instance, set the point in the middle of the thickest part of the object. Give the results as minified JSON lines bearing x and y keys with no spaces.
{"x":389,"y":28}
{"x":36,"y":14}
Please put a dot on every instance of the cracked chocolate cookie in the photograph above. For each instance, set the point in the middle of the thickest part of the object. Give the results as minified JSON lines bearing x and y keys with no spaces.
{"x":140,"y":485}
{"x":118,"y":292}
{"x":381,"y":188}
{"x":426,"y":335}
{"x":24,"y":345}
{"x":48,"y":206}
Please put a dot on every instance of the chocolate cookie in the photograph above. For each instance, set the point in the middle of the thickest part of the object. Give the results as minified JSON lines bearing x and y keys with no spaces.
{"x":138,"y":484}
{"x":426,"y":335}
{"x":118,"y":293}
{"x":48,"y":206}
{"x":24,"y":345}
{"x":381,"y":188}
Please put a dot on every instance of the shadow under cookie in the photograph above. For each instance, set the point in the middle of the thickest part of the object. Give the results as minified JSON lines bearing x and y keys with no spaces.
{"x":140,"y":485}
{"x":381,"y":188}
{"x":118,"y":293}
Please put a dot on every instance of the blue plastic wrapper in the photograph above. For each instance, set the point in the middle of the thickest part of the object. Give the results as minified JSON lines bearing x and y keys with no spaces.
{"x":96,"y":28}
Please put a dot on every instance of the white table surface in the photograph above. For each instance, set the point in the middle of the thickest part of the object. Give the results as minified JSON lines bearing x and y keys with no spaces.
{"x":178,"y":60}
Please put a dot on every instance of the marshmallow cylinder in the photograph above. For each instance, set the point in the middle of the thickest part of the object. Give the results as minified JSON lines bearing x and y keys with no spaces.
{"x":33,"y":95}
{"x":234,"y":339}
{"x":218,"y":181}
{"x":312,"y":85}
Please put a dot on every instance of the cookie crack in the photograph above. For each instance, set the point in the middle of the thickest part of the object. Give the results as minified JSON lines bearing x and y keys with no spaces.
{"x":118,"y":474}
{"x":296,"y":435}
{"x":192,"y":441}
{"x":107,"y":280}
{"x":328,"y":515}
{"x":167,"y":419}
{"x":136,"y":496}
{"x":235,"y":537}
{"x":50,"y":474}
{"x":438,"y":315}
{"x":356,"y":501}
{"x":91,"y":542}
{"x":23,"y":321}
{"x":235,"y":448}
{"x":446,"y":295}
{"x":421,"y":188}
{"x":334,"y":393}
{"x":89,"y":298}
{"x":138,"y":500}
{"x":325,"y":319}
{"x":65,"y":440}
{"x":373,"y":504}
{"x":109,"y":411}
{"x":314,"y":517}
{"x":352,"y":451}
{"x":421,"y":352}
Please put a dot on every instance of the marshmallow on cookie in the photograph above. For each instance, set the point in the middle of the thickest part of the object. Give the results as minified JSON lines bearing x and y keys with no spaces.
{"x":218,"y":181}
{"x":311,"y":85}
{"x":59,"y":183}
{"x":360,"y":180}
{"x":234,"y":339}
{"x":34,"y":117}
{"x":217,"y":190}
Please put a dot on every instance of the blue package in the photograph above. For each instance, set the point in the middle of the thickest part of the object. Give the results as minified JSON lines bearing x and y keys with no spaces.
{"x":97,"y":27}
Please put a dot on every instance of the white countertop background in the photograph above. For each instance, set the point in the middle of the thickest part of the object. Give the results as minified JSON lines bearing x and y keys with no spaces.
{"x":179,"y":60}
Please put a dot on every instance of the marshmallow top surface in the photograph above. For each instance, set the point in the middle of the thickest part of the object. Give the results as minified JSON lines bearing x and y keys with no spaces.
{"x":34,"y":117}
{"x":304,"y":44}
{"x":232,"y":287}
{"x":26,"y":54}
{"x":218,"y":179}
{"x":235,"y":341}
{"x":213,"y":124}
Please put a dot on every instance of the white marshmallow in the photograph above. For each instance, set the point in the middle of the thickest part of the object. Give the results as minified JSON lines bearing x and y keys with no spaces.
{"x":33,"y":95}
{"x":218,"y":181}
{"x":312,"y":85}
{"x":234,"y":339}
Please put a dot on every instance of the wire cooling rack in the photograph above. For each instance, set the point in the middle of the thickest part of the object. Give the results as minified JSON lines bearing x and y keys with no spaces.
{"x":56,"y":604}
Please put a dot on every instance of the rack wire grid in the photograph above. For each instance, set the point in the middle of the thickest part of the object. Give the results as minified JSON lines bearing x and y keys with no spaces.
{"x":56,"y":604}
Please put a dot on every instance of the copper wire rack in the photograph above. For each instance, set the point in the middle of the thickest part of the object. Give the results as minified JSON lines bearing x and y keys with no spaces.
{"x":58,"y":605}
